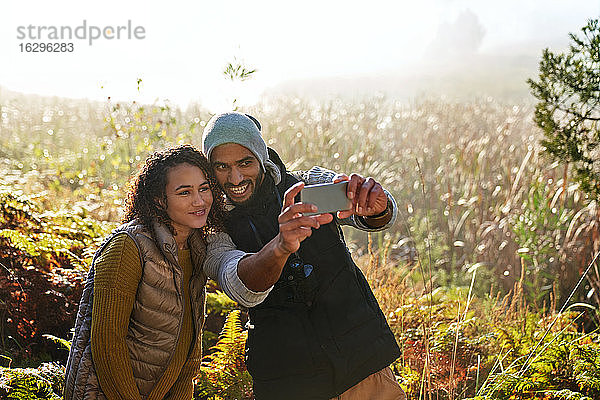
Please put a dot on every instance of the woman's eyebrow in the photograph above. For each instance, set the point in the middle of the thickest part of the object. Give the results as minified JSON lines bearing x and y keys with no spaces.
{"x":189,"y":186}
{"x":182,"y":187}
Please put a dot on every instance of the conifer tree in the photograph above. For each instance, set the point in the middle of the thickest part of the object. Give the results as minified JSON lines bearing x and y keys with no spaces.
{"x":568,"y":111}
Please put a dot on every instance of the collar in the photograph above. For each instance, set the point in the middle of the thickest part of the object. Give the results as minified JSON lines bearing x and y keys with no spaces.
{"x":166,"y":241}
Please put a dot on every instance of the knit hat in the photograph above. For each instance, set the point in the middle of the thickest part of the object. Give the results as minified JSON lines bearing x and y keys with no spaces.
{"x":243,"y":129}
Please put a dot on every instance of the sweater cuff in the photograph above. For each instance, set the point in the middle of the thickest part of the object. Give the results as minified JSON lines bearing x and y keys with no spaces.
{"x":235,"y":288}
{"x":362,"y":224}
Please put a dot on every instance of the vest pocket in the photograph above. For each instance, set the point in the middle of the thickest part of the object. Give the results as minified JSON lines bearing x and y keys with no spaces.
{"x":353,"y":321}
{"x":278,"y":344}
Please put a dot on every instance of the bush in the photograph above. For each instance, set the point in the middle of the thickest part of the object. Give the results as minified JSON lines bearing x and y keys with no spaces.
{"x":223,"y":374}
{"x":43,"y":258}
{"x":43,"y":383}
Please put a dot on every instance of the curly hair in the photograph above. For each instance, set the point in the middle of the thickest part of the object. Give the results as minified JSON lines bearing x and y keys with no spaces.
{"x":150,"y":183}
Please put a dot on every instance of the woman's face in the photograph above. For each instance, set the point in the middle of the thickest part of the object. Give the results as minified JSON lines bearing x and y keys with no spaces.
{"x":188,"y":199}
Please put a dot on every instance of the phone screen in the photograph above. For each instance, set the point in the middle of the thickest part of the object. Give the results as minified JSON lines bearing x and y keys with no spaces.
{"x":328,"y":197}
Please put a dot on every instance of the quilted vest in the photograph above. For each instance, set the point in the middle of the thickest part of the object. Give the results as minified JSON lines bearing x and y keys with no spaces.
{"x":154,"y":325}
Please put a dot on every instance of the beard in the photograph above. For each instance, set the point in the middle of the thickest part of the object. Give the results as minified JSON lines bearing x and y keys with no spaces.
{"x":253,"y":185}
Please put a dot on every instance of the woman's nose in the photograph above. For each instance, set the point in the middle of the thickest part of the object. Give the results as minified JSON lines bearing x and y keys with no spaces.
{"x":198,"y":199}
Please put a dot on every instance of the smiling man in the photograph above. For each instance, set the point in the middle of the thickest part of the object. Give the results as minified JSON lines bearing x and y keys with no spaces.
{"x":238,"y":170}
{"x":319,"y":333}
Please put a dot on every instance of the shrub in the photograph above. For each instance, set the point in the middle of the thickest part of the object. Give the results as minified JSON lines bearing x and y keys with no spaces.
{"x":223,"y":374}
{"x":43,"y":259}
{"x":43,"y":383}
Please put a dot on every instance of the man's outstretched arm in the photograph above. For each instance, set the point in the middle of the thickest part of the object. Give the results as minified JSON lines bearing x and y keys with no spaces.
{"x":261,"y":270}
{"x":248,"y":277}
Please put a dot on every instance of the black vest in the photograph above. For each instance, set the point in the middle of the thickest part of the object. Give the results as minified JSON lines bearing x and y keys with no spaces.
{"x":320,"y":330}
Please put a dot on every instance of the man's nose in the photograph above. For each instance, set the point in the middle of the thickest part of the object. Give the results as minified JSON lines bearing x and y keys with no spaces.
{"x":235,"y":177}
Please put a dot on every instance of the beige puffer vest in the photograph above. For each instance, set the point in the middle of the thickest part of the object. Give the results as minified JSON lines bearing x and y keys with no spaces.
{"x":155,"y":322}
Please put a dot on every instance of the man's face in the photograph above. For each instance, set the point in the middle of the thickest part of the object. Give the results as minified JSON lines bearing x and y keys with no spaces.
{"x":237,"y":170}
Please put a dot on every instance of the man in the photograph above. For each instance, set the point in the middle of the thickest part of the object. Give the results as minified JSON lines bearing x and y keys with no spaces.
{"x":319,"y":333}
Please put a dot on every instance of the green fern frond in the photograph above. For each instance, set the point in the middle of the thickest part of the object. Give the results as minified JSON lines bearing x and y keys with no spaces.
{"x":223,"y":374}
{"x":16,"y":207}
{"x":43,"y":383}
{"x":566,"y":394}
{"x":63,"y":342}
{"x":231,"y":340}
{"x":21,"y":241}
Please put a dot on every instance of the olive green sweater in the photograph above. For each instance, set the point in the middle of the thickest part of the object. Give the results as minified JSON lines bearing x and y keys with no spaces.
{"x":118,"y":272}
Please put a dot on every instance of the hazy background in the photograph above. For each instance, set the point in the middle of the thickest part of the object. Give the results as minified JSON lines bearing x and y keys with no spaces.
{"x":430,"y":98}
{"x":405,"y":49}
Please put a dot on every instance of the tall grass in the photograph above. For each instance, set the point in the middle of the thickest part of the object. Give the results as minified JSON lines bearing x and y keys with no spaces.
{"x":490,"y":238}
{"x":491,"y":198}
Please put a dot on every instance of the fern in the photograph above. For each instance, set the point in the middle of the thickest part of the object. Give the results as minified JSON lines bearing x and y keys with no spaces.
{"x":16,"y":209}
{"x":21,"y":241}
{"x":43,"y":259}
{"x":43,"y":383}
{"x":223,"y":374}
{"x":566,"y":394}
{"x":53,"y":238}
{"x":567,"y":369}
{"x":63,"y":342}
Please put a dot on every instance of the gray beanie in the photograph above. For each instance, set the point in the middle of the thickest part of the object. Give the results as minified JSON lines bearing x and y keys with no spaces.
{"x":234,"y":127}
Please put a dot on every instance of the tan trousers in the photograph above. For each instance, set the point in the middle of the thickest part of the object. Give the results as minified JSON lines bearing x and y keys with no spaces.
{"x":381,"y":385}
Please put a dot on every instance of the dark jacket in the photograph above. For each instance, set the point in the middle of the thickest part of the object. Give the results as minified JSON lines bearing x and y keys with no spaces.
{"x":320,"y":331}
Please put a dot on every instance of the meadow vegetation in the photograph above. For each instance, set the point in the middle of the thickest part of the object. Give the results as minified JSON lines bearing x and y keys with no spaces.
{"x":490,"y":241}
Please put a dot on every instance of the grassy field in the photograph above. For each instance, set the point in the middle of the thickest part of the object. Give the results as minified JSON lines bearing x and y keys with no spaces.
{"x":491,"y":238}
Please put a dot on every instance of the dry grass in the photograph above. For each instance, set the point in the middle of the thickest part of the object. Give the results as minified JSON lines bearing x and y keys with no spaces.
{"x":470,"y":179}
{"x":476,"y":198}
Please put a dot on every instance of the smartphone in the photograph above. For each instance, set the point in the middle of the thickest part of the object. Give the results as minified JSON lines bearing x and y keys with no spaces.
{"x":328,"y":197}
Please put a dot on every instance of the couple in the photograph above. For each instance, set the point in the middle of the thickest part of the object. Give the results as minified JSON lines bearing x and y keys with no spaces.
{"x":315,"y":330}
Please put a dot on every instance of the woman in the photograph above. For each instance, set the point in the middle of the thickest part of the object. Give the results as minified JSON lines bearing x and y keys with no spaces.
{"x":138,"y":329}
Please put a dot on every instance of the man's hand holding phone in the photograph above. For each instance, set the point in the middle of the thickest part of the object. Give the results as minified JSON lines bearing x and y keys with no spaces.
{"x":347,"y":195}
{"x":295,"y":223}
{"x":328,"y":197}
{"x":367,"y":196}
